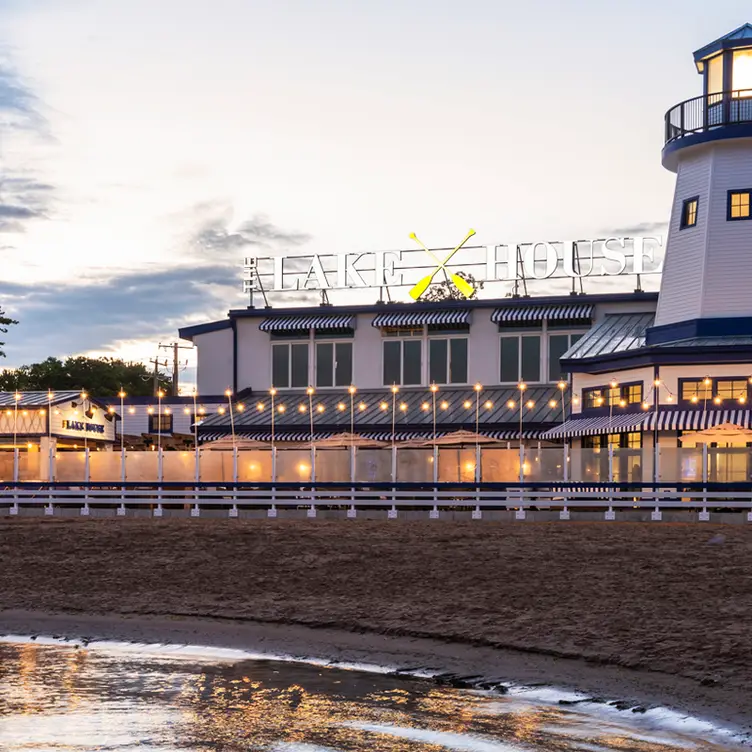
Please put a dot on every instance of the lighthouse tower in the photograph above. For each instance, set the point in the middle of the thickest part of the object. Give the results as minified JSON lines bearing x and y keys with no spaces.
{"x":706,"y":289}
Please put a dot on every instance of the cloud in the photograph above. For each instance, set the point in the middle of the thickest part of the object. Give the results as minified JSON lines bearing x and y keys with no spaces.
{"x":147,"y":305}
{"x":642,"y":228}
{"x":19,"y":106}
{"x":215,"y":234}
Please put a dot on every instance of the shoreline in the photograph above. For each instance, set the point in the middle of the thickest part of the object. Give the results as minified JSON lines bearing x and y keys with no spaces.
{"x":461,"y":664}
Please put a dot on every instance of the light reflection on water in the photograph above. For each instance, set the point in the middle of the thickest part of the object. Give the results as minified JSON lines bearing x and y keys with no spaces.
{"x":63,"y":699}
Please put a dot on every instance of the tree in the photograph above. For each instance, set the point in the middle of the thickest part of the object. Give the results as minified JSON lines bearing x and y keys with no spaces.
{"x":446,"y":290}
{"x":5,"y":322}
{"x":100,"y":377}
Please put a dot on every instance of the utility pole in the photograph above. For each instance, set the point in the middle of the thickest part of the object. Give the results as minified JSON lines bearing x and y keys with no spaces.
{"x":155,"y":362}
{"x":175,"y":364}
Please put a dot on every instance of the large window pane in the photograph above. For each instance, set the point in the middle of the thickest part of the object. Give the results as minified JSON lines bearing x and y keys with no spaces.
{"x":299,"y":358}
{"x":531,"y":358}
{"x":510,"y":359}
{"x":412,"y":365}
{"x":437,"y":361}
{"x":558,"y":344}
{"x":324,"y":364}
{"x":280,"y":366}
{"x":392,"y":362}
{"x":343,"y":364}
{"x":458,"y":361}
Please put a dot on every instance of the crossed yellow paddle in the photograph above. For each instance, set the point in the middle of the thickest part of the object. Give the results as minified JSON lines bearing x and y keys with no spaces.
{"x":461,"y":284}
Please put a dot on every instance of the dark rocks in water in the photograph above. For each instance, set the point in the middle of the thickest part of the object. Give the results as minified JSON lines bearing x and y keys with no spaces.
{"x":493,"y":686}
{"x":34,"y":637}
{"x":458,"y":682}
{"x":709,"y":681}
{"x":639,"y":709}
{"x":621,"y":705}
{"x":598,"y":700}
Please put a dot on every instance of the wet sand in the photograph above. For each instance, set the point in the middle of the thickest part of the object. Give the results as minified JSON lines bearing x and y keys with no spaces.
{"x":650,"y":613}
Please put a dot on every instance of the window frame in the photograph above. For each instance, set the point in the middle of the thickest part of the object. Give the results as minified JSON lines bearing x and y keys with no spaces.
{"x":334,"y":343}
{"x":152,"y":423}
{"x":542,"y":364}
{"x":605,"y":392}
{"x":684,"y":224}
{"x":713,"y":389}
{"x":729,"y":194}
{"x":554,"y":332}
{"x":434,"y":336}
{"x":401,"y":341}
{"x":288,"y":344}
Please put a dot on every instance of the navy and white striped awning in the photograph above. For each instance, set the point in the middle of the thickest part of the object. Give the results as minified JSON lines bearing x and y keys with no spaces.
{"x":418,"y":318}
{"x":304,"y":323}
{"x":697,"y":420}
{"x":599,"y":424}
{"x":534,"y":314}
{"x":265,"y":436}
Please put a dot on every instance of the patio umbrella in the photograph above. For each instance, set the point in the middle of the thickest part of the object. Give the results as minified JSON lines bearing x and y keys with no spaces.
{"x":726,"y":433}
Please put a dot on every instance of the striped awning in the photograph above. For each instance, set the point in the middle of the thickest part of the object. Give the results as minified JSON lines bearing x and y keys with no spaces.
{"x":304,"y":323}
{"x":506,"y":435}
{"x":696,"y":420}
{"x":534,"y":314}
{"x":418,"y":318}
{"x":599,"y":424}
{"x":266,"y":435}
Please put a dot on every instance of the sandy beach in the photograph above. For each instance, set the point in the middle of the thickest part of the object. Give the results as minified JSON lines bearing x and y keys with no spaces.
{"x":646,"y":613}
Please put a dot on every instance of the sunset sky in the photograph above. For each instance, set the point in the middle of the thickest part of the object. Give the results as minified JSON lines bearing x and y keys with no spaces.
{"x":146,"y":147}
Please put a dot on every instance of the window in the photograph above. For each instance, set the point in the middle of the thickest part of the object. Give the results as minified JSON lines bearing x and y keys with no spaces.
{"x":558,"y":344}
{"x":593,"y":398}
{"x":520,"y":358}
{"x":738,"y":205}
{"x":447,"y":361}
{"x":619,"y":396}
{"x":333,"y":364}
{"x":402,"y":362}
{"x":290,"y":365}
{"x":696,"y":390}
{"x":616,"y":440}
{"x":689,"y":213}
{"x":731,"y":389}
{"x":632,"y":440}
{"x":160,"y":424}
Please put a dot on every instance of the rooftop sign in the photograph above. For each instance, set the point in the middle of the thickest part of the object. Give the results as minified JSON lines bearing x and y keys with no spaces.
{"x":514,"y":265}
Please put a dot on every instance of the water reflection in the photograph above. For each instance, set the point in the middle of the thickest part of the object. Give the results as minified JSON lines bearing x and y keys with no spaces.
{"x":79,"y":699}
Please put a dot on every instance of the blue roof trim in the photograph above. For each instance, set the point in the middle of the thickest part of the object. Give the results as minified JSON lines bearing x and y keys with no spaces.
{"x":741,"y":37}
{"x":592,"y":426}
{"x":418,"y":318}
{"x":189,"y":332}
{"x":528,"y":314}
{"x":304,"y":323}
{"x":377,"y":308}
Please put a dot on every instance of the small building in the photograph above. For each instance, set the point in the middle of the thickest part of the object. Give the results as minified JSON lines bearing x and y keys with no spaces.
{"x":63,"y":420}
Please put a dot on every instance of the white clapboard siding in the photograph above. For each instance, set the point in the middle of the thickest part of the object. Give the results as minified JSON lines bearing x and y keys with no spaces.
{"x":137,"y":422}
{"x":708,"y":267}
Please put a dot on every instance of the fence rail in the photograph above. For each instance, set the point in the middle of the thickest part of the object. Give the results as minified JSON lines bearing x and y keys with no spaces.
{"x":236,"y":498}
{"x":709,"y":111}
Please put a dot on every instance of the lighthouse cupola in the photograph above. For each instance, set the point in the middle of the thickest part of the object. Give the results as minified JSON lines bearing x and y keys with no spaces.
{"x":706,"y":288}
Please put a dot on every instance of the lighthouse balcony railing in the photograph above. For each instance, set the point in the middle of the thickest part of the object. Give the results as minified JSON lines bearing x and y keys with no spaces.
{"x":708,"y":112}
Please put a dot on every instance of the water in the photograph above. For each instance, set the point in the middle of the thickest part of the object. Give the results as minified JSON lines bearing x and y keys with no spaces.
{"x":62,"y":698}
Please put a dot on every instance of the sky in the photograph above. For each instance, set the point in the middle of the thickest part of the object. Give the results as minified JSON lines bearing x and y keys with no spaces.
{"x":146,"y":147}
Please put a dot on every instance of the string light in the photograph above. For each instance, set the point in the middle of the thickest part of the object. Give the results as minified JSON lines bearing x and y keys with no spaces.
{"x":320,"y":408}
{"x":489,"y":405}
{"x":150,"y":410}
{"x":435,"y":388}
{"x":310,"y":390}
{"x":341,"y":406}
{"x":352,"y":390}
{"x":622,"y":403}
{"x":403,"y":407}
{"x":301,"y":408}
{"x":221,"y":410}
{"x":240,"y":407}
{"x":362,"y":406}
{"x":530,"y":404}
{"x":477,"y":387}
{"x":553,"y":403}
{"x":657,"y":382}
{"x":425,"y":407}
{"x":281,"y":409}
{"x":395,"y":389}
{"x":467,"y":404}
{"x":383,"y":406}
{"x":511,"y":404}
{"x":717,"y":400}
{"x":260,"y":406}
{"x":444,"y":405}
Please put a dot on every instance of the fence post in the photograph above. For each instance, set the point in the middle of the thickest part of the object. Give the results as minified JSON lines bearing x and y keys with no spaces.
{"x":394,"y":472}
{"x":15,"y":465}
{"x":51,"y":463}
{"x":87,"y":478}
{"x":160,"y":472}
{"x":273,"y":510}
{"x":435,"y":473}
{"x":234,"y":510}
{"x":522,"y":462}
{"x":121,"y":509}
{"x":197,"y":472}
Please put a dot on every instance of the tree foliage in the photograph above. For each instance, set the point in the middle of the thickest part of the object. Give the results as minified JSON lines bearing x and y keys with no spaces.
{"x":100,"y":377}
{"x":447,"y":291}
{"x":5,"y":322}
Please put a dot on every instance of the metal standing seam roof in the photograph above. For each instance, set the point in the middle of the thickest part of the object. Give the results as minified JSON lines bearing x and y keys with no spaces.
{"x":418,"y":318}
{"x":305,"y":322}
{"x":42,"y":399}
{"x":617,"y":333}
{"x":535,"y":314}
{"x":499,"y":414}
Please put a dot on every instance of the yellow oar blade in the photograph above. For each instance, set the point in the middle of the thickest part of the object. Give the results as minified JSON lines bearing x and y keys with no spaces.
{"x":421,"y":286}
{"x":463,"y":286}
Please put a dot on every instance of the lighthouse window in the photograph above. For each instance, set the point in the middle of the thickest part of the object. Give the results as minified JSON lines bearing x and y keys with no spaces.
{"x":689,"y":213}
{"x":738,"y":204}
